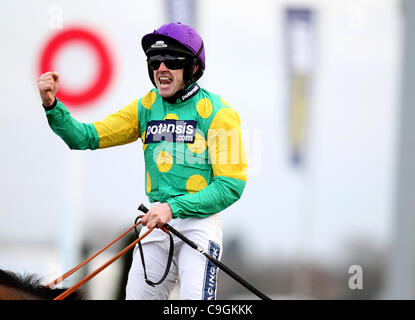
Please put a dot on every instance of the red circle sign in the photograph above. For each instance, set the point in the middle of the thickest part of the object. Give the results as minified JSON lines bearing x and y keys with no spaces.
{"x":104,"y":72}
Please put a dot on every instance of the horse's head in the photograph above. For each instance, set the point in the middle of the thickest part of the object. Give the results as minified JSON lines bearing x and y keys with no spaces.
{"x":28,"y":287}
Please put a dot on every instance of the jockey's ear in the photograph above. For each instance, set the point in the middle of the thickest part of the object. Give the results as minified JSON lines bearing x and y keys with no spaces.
{"x":195,"y":68}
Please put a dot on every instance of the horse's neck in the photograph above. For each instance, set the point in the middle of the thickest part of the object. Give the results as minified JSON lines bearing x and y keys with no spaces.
{"x":8,"y":293}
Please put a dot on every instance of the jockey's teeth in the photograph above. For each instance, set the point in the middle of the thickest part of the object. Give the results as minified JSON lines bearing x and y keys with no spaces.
{"x":165,"y":80}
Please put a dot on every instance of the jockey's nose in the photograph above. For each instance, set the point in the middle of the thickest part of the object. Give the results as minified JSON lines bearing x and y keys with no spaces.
{"x":162,"y":67}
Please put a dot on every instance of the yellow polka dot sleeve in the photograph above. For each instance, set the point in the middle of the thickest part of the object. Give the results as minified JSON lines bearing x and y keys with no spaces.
{"x":226,"y":148}
{"x":120,"y":127}
{"x":229,"y":165}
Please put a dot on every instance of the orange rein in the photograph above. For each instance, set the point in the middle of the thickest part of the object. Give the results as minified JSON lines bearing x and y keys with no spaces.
{"x":94,"y":273}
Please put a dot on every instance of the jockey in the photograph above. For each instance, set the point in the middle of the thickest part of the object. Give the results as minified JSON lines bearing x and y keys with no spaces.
{"x":195,"y":161}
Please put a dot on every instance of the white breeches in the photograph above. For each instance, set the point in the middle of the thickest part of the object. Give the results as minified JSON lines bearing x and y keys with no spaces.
{"x":196,"y":274}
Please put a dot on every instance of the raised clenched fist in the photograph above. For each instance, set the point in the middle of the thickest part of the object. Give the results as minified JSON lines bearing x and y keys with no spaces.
{"x":48,"y":85}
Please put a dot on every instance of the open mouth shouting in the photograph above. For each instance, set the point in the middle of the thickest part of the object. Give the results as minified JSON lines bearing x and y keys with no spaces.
{"x":165,"y":81}
{"x":168,"y":81}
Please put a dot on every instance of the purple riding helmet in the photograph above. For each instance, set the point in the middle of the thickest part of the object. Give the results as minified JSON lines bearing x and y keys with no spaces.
{"x":176,"y":38}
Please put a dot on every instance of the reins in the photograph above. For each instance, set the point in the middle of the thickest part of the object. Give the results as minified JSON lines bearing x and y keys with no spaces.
{"x":94,"y":273}
{"x":167,"y":229}
{"x":219,"y":264}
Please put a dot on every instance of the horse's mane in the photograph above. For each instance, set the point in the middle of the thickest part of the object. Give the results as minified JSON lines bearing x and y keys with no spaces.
{"x":32,"y":284}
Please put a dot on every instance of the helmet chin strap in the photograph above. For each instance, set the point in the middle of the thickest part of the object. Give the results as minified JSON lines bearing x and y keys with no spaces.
{"x":184,"y":94}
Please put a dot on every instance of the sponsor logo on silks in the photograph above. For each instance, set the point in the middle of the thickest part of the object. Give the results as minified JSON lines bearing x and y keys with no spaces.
{"x":171,"y":130}
{"x":209,"y":286}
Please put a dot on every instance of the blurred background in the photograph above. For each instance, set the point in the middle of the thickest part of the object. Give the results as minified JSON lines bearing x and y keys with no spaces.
{"x":324,"y":92}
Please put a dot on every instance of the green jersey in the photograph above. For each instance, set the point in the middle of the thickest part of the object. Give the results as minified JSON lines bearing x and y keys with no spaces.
{"x":193,"y":150}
